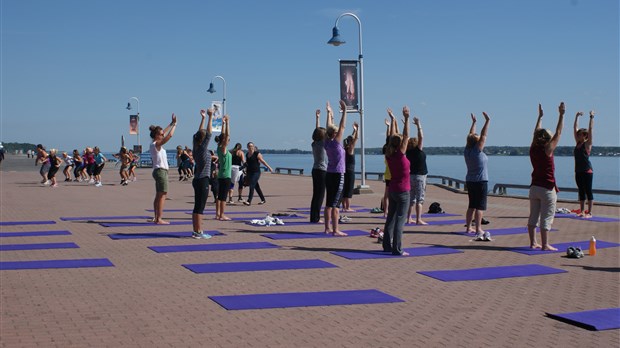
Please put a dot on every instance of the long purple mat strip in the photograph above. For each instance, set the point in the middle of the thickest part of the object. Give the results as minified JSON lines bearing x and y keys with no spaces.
{"x":44,"y":264}
{"x":17,"y":223}
{"x":304,"y":299}
{"x":35,"y":233}
{"x":591,"y":219}
{"x":304,"y":235}
{"x":584,"y":245}
{"x":212,"y":247}
{"x":502,"y":231}
{"x":426,"y":215}
{"x":37,"y":246}
{"x":146,"y":223}
{"x":595,"y":320}
{"x":487,"y":273}
{"x":122,"y":217}
{"x":380,"y":254}
{"x":258,"y":266}
{"x":147,"y":235}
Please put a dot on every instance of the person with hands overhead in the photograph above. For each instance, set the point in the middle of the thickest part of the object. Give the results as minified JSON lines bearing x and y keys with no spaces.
{"x":225,"y":169}
{"x":543,"y":189}
{"x":583,"y":166}
{"x":349,"y":173}
{"x":253,"y":160}
{"x":477,"y":178}
{"x":334,"y":178}
{"x":319,"y":168}
{"x":202,"y":172}
{"x":398,"y":190}
{"x":417,"y":159}
{"x":160,"y":167}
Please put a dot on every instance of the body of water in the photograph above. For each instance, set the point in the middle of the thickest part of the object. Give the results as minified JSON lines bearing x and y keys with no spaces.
{"x":502,"y":169}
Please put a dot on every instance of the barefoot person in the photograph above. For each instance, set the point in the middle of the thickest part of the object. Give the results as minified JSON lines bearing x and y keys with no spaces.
{"x":477,"y":177}
{"x":43,"y":160}
{"x":225,"y":170}
{"x":334,"y":179}
{"x":543,"y":190}
{"x":160,"y":166}
{"x":202,"y":157}
{"x":349,"y":173}
{"x":417,"y":177}
{"x":583,"y":167}
{"x":319,"y":168}
{"x":398,"y":190}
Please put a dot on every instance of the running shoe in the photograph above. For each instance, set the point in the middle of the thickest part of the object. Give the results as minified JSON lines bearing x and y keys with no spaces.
{"x":487,"y":236}
{"x":201,"y":235}
{"x":344,"y":219}
{"x":479,"y":237}
{"x":261,"y":202}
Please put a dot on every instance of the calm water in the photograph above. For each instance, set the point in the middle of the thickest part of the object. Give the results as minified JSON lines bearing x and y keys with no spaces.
{"x":502,"y":169}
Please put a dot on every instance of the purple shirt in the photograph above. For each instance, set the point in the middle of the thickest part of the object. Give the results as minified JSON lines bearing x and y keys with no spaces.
{"x":399,"y":168}
{"x":335,"y":156}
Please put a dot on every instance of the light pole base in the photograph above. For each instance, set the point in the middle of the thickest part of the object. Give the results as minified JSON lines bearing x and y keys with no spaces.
{"x":362,"y":189}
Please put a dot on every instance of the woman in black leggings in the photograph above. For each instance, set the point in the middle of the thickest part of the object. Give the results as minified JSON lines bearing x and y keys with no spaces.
{"x":319,"y":168}
{"x":583,"y":167}
{"x":253,"y":161}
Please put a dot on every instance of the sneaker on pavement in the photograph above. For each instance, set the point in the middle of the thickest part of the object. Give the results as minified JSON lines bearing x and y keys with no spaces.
{"x":479,"y":237}
{"x":487,"y":236}
{"x":200,"y":235}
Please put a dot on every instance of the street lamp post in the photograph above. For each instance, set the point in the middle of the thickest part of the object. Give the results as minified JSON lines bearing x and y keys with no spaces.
{"x":138,"y":115}
{"x":336,"y":41}
{"x":212,"y":90}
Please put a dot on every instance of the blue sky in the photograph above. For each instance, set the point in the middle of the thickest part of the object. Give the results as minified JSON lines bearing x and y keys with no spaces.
{"x":70,"y":66}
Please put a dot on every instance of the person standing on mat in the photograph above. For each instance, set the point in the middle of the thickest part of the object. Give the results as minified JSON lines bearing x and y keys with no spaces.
{"x":349,"y":173}
{"x":398,"y":190}
{"x":202,"y":172}
{"x":225,"y":170}
{"x":334,"y":178}
{"x":417,"y":178}
{"x":253,"y":160}
{"x":583,"y":166}
{"x":319,"y":169}
{"x":477,"y":178}
{"x":160,"y":167}
{"x":543,"y":190}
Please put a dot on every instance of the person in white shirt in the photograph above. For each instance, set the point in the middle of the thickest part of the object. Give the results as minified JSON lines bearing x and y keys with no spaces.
{"x":160,"y":166}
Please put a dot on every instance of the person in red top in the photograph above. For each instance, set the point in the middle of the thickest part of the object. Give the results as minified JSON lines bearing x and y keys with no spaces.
{"x":543,"y":190}
{"x":583,"y":167}
{"x":398,"y":191}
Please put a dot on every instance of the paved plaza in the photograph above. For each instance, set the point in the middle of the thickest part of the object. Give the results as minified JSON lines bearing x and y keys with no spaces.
{"x":148,"y":299}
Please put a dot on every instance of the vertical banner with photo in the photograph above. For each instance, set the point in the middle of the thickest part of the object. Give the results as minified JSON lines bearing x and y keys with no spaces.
{"x":133,"y":124}
{"x":348,"y":84}
{"x":216,"y":123}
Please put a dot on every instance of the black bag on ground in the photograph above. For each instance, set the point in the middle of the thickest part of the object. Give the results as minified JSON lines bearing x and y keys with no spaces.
{"x":435,"y":208}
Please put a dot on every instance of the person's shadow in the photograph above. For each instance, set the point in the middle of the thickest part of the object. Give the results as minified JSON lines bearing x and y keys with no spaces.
{"x":600,"y":269}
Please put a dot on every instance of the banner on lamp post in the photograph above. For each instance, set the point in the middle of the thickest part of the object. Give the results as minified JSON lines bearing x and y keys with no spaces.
{"x":216,"y":122}
{"x":348,"y":84}
{"x":133,"y":124}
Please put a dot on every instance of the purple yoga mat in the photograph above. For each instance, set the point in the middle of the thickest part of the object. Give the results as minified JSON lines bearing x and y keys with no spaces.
{"x":304,"y":299}
{"x":426,"y":215}
{"x":439,"y":222}
{"x":146,"y":223}
{"x":43,"y":264}
{"x":248,"y":218}
{"x":502,"y":231}
{"x":17,"y":223}
{"x":35,"y":233}
{"x":584,"y":245}
{"x":592,"y":219}
{"x":487,"y":273}
{"x":304,"y":235}
{"x":380,"y":254}
{"x":595,"y":320}
{"x":37,"y":246}
{"x":147,"y":235}
{"x":257,"y":266}
{"x":212,"y":247}
{"x":85,"y":218}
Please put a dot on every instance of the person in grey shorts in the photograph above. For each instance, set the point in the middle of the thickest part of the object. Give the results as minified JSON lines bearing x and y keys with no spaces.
{"x":417,"y":177}
{"x":160,"y":167}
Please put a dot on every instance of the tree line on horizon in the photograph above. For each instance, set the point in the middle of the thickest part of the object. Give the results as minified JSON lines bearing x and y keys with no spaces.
{"x":429,"y":150}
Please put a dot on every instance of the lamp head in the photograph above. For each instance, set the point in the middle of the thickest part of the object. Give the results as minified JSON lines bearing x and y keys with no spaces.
{"x":128,"y":106}
{"x":335,"y":40}
{"x":211,"y":89}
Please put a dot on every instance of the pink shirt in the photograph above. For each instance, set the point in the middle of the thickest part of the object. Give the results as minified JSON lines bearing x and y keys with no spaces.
{"x":400,"y":169}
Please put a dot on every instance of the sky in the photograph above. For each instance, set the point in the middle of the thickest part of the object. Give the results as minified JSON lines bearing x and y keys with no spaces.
{"x":69,"y":67}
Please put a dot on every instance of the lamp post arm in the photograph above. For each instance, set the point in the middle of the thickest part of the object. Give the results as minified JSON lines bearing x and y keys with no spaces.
{"x":224,"y":95}
{"x":359,"y":26}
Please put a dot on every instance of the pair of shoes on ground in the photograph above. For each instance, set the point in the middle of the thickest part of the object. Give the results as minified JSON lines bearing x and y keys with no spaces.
{"x":483,"y":237}
{"x":574,"y":253}
{"x":200,"y":235}
{"x":344,"y":219}
{"x":376,"y":210}
{"x":376,"y":233}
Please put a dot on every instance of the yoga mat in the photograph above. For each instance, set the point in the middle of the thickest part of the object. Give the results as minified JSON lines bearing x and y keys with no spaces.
{"x":146,"y":223}
{"x":248,"y":218}
{"x":491,"y":272}
{"x":426,"y":215}
{"x":595,"y":320}
{"x":303,"y":299}
{"x":233,"y":212}
{"x":380,"y":254}
{"x":584,"y":245}
{"x":117,"y":236}
{"x":86,"y":218}
{"x":257,"y":266}
{"x":16,"y":223}
{"x":304,"y":235}
{"x":308,"y":208}
{"x":288,"y":223}
{"x":502,"y":231}
{"x":212,"y":247}
{"x":37,"y":246}
{"x":42,"y":264}
{"x":593,"y":219}
{"x":439,"y":222}
{"x":35,"y":233}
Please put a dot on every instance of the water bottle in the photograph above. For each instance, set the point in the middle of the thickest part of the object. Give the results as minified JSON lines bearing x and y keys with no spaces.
{"x":592,"y":246}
